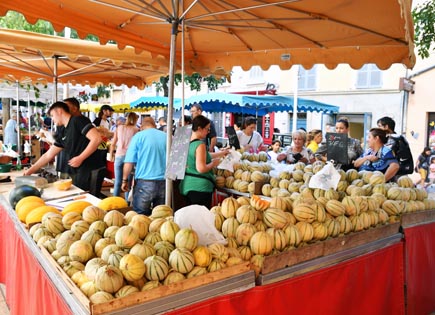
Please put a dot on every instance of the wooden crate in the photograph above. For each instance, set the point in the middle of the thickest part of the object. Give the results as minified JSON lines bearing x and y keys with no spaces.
{"x":166,"y":294}
{"x":327,"y":247}
{"x":82,"y":298}
{"x":228,"y":279}
{"x":416,"y":218}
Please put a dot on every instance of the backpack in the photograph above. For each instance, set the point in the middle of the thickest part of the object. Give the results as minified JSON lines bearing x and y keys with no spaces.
{"x":402,"y":152}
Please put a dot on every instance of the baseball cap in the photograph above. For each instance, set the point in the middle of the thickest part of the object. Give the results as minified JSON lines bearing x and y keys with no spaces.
{"x":107,"y":107}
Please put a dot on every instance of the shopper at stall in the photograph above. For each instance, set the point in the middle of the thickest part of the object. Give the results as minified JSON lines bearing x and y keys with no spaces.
{"x":314,"y":138}
{"x":250,"y":139}
{"x":162,"y":124}
{"x":275,"y":150}
{"x":147,"y":152}
{"x":120,"y":142}
{"x":422,"y":166}
{"x":120,"y":120}
{"x":297,"y":152}
{"x":199,"y":181}
{"x":79,"y":139}
{"x":106,"y":111}
{"x":431,"y":175}
{"x":186,"y":120}
{"x":36,"y":121}
{"x":399,"y":145}
{"x":211,"y":136}
{"x":378,"y":157}
{"x":11,"y":133}
{"x":354,"y":147}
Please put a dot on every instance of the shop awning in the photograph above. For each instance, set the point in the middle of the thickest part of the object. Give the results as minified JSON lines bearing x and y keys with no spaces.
{"x":31,"y":57}
{"x":223,"y":34}
{"x":256,"y":105}
{"x":153,"y":102}
{"x":119,"y":108}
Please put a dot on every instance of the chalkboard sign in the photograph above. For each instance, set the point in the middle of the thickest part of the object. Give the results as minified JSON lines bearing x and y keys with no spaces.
{"x":336,"y":146}
{"x":178,"y":156}
{"x":233,"y":141}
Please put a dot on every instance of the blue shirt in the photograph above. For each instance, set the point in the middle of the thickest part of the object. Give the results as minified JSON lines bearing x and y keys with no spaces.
{"x":10,"y":132}
{"x":147,"y":149}
{"x":386,"y":157}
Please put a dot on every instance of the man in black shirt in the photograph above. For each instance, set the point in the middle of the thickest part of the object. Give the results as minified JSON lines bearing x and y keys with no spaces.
{"x":399,"y":145}
{"x":79,"y":139}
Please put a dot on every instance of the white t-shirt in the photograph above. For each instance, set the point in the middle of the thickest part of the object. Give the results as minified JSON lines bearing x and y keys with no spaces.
{"x":272,"y":155}
{"x":254,"y":141}
{"x":105,"y":123}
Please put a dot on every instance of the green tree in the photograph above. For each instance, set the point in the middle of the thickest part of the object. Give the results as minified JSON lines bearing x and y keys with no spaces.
{"x":424,"y":25}
{"x":16,"y":21}
{"x":193,"y":81}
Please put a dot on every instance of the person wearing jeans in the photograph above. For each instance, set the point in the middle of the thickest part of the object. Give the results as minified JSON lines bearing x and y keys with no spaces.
{"x":148,"y":194}
{"x":121,"y":140}
{"x":147,"y":151}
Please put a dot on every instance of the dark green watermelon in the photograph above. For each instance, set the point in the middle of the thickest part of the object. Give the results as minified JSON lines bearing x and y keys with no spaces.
{"x":20,"y":192}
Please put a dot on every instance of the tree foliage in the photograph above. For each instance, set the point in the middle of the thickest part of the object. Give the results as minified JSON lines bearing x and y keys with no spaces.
{"x":424,"y":25}
{"x":16,"y":21}
{"x":194,"y":81}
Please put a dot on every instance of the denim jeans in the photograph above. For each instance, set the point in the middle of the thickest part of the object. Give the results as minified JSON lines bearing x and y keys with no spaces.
{"x":148,"y":194}
{"x":118,"y":168}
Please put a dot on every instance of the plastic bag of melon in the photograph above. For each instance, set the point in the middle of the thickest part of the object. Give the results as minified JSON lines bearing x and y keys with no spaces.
{"x":328,"y":177}
{"x":201,"y":220}
{"x":227,"y":163}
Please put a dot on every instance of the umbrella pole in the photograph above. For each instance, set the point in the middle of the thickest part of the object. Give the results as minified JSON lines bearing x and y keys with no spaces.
{"x":295,"y":100}
{"x":55,"y":79}
{"x":169,"y":186}
{"x":18,"y":118}
{"x":29,"y":115}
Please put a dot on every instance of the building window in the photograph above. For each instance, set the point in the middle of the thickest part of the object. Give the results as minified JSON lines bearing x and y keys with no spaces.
{"x":256,"y":75}
{"x":301,"y":121}
{"x":307,"y":79}
{"x":369,"y":77}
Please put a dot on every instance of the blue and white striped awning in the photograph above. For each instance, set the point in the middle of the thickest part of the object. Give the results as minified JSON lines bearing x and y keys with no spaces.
{"x":256,"y":104}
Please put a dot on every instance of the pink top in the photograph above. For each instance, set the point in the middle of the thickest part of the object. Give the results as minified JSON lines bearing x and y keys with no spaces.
{"x":124,"y":134}
{"x":432,"y":170}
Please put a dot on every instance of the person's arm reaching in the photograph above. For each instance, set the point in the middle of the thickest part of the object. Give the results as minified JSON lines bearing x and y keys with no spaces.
{"x":200,"y":163}
{"x":44,"y":159}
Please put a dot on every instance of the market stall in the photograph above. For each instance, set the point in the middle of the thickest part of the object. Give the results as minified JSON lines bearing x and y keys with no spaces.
{"x":337,"y":274}
{"x":419,"y":250}
{"x":343,"y":285}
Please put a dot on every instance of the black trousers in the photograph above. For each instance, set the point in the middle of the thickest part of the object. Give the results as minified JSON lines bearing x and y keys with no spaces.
{"x":199,"y":198}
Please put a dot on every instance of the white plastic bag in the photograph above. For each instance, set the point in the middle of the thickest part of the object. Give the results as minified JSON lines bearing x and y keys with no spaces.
{"x":201,"y":220}
{"x":328,"y":177}
{"x":278,"y":168}
{"x":228,"y":162}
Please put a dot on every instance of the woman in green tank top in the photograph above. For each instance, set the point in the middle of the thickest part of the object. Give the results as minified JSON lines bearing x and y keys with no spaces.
{"x":199,"y":180}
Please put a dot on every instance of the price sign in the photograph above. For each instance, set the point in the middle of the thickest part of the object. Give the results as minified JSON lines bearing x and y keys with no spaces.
{"x":233,"y":141}
{"x":336,"y":146}
{"x":178,"y":156}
